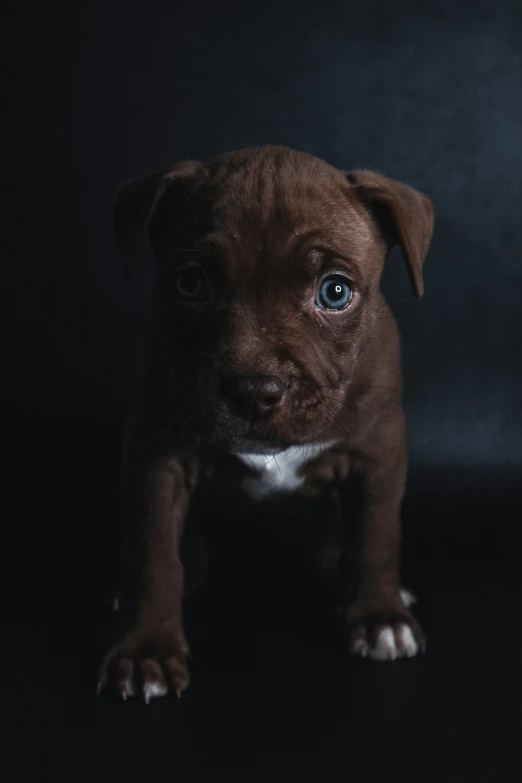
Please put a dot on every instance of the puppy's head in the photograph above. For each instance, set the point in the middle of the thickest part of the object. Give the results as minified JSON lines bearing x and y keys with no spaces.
{"x":268,"y":267}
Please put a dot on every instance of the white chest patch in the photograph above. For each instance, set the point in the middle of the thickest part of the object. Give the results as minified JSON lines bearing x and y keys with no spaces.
{"x":274,"y":473}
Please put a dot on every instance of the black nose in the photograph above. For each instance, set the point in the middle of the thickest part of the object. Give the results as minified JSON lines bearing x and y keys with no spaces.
{"x":253,"y":396}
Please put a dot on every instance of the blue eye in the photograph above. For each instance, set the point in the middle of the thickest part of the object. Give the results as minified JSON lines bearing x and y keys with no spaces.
{"x":334,"y":293}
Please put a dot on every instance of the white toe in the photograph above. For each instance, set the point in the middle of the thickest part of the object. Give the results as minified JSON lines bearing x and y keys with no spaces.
{"x":153,"y":690}
{"x":127,"y":691}
{"x":406,"y":641}
{"x":359,"y":647}
{"x":385,"y":648}
{"x":407,"y":597}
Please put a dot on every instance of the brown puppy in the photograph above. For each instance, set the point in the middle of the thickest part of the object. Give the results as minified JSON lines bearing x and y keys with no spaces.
{"x":268,"y":364}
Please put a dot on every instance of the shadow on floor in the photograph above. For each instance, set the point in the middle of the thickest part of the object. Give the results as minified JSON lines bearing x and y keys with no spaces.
{"x":272,"y":693}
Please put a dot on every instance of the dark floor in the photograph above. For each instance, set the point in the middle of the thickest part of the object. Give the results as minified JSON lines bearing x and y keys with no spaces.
{"x":272,"y":693}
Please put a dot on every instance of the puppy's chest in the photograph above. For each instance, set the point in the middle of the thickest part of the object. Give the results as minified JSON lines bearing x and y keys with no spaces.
{"x":296,"y":469}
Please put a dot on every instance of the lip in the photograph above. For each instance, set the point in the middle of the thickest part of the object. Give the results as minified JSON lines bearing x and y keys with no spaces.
{"x":253,"y":445}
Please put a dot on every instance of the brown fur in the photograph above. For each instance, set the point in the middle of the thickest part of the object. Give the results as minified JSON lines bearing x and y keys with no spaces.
{"x":266,"y":225}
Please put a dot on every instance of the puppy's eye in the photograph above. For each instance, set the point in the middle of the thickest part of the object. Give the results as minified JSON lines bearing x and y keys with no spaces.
{"x":334,"y":293}
{"x":190,"y":284}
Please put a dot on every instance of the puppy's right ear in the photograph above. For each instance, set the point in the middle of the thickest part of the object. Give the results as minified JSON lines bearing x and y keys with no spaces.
{"x":136,"y":202}
{"x":404,"y":215}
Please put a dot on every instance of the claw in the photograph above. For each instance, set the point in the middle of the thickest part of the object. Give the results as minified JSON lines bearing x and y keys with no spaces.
{"x":126,"y":690}
{"x":360,"y":648}
{"x":154,"y":690}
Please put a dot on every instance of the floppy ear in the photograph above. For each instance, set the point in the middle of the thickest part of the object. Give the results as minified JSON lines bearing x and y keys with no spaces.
{"x":404,"y":216}
{"x":136,"y":202}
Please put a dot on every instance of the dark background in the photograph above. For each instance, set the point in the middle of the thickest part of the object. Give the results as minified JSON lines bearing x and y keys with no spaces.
{"x":427,"y":92}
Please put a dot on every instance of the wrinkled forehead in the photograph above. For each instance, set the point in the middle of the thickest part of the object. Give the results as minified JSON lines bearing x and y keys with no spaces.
{"x":278,"y":210}
{"x":268,"y":212}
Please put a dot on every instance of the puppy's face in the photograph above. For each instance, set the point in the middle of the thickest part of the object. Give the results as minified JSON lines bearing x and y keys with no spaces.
{"x":267,"y":291}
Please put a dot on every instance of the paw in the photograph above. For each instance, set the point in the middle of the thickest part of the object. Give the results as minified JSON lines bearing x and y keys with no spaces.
{"x":385,"y":642}
{"x":150,"y":665}
{"x":384,"y":633}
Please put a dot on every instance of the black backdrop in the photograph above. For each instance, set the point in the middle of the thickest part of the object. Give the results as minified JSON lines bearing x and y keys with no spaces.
{"x":430,"y":93}
{"x":427,"y":92}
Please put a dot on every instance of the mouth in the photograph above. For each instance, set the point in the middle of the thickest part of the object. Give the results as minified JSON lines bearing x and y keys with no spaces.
{"x":252,"y":444}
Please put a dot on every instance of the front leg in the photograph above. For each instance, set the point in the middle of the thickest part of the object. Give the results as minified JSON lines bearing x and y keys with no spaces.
{"x":150,"y":654}
{"x":377,"y":621}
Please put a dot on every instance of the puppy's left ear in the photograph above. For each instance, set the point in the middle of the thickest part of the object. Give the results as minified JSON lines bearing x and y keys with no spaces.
{"x":136,"y":203}
{"x":404,"y":216}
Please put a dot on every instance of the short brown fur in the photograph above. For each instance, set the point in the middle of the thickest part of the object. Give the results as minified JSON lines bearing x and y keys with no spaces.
{"x":265,"y":226}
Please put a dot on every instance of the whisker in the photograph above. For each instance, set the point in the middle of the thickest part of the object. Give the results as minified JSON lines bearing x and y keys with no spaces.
{"x":396,"y":301}
{"x":205,"y":353}
{"x":184,"y":427}
{"x":173,"y":390}
{"x":364,"y":385}
{"x":180,"y":250}
{"x":278,"y":467}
